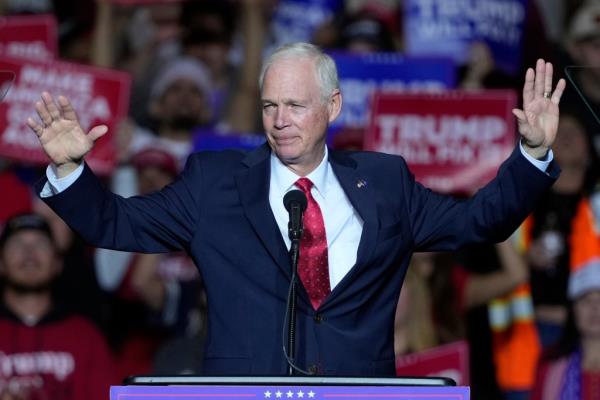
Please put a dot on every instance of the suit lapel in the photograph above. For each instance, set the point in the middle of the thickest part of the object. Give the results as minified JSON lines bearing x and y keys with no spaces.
{"x":253,"y":186}
{"x":362,"y":197}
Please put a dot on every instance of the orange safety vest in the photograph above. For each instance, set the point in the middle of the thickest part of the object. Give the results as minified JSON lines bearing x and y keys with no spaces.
{"x":585,"y":251}
{"x":515,"y":341}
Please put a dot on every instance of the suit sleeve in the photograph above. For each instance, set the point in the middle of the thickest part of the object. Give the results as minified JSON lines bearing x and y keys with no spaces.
{"x":442,"y":223}
{"x":159,"y":222}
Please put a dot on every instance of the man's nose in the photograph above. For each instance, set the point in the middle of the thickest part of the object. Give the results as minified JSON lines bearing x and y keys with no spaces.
{"x":281,"y":118}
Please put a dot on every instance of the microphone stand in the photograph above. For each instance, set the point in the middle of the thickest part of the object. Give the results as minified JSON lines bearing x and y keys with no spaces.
{"x":295,"y":235}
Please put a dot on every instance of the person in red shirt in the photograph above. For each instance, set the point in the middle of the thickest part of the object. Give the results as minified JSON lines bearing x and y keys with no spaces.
{"x":571,"y":369}
{"x":45,"y":352}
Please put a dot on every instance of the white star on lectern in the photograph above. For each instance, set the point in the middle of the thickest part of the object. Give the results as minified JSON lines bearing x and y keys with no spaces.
{"x":267,"y":394}
{"x":311,"y":394}
{"x":278,"y":394}
{"x":290,"y":393}
{"x":300,"y":393}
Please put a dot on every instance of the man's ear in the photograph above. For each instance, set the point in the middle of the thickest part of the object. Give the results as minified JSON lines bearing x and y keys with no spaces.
{"x":334,"y":105}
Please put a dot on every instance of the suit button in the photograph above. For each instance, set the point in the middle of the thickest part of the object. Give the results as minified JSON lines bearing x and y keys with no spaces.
{"x":318,"y":318}
{"x":313,"y":369}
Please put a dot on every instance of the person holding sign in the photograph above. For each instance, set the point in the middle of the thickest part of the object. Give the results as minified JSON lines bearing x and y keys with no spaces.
{"x":365,"y":217}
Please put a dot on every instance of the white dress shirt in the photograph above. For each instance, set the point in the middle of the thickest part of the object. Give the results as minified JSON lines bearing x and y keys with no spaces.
{"x":343,"y":225}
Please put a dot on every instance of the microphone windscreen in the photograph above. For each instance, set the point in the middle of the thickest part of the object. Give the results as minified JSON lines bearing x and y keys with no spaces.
{"x":294,"y":196}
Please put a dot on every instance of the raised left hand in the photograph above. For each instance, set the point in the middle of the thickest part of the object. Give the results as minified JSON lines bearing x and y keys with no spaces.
{"x":538,"y":120}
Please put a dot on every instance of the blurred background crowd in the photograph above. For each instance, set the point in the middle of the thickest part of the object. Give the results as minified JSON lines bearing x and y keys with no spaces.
{"x":527,"y":311}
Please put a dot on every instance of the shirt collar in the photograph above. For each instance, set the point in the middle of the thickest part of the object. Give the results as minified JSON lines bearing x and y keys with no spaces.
{"x":283,"y":179}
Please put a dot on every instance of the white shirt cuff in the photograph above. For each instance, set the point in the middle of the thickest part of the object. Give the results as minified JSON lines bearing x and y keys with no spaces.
{"x":56,"y":185}
{"x":542,"y":165}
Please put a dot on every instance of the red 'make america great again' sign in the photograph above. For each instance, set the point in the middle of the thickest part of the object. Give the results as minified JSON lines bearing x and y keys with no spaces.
{"x":100,"y":96}
{"x":29,"y":36}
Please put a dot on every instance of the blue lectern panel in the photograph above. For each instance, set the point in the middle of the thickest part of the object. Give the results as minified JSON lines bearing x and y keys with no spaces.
{"x":292,"y":388}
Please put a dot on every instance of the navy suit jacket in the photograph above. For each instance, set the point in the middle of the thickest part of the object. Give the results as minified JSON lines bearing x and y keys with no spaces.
{"x":218,"y":211}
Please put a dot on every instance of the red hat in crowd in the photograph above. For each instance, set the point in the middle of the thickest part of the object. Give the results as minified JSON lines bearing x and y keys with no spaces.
{"x":154,"y":157}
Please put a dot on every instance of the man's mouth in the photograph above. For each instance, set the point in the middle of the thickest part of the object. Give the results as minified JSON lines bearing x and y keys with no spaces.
{"x":30,"y":265}
{"x":285,"y":139}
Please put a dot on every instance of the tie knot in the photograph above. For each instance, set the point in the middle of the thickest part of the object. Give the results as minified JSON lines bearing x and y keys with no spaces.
{"x":305,"y":185}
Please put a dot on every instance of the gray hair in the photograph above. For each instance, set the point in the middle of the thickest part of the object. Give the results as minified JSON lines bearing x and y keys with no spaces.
{"x":325,"y":68}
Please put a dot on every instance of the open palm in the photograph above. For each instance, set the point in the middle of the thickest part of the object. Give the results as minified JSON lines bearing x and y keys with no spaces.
{"x":60,"y":133}
{"x":538,"y":121}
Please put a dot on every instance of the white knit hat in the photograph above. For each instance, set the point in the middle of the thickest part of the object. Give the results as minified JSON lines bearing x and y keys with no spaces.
{"x":181,"y":68}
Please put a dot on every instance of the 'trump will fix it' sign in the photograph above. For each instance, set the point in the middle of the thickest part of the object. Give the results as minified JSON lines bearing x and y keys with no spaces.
{"x":453,"y":141}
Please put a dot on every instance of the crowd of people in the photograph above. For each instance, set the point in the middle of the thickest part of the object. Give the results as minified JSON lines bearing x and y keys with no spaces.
{"x":74,"y":319}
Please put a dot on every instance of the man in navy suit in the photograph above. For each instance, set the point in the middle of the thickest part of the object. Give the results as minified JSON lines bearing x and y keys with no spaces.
{"x":226,"y":211}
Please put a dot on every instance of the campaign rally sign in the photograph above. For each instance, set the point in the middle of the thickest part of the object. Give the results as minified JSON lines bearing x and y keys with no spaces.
{"x":452,"y":142}
{"x":6,"y":80}
{"x":449,"y":361}
{"x":361,"y":75}
{"x":100,"y":96}
{"x":32,"y":36}
{"x":442,"y":27}
{"x":297,"y":20}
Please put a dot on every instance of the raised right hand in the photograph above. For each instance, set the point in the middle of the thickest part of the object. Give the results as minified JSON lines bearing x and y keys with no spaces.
{"x":61,"y":135}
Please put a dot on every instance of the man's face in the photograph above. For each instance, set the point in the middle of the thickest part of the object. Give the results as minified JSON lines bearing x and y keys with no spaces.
{"x":587,"y":52}
{"x":571,"y":144}
{"x":183,"y":105}
{"x":28,"y":260}
{"x":295,"y":117}
{"x":587,"y":314}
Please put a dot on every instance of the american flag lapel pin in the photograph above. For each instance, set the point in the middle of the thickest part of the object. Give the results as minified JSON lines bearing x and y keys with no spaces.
{"x":361,"y":183}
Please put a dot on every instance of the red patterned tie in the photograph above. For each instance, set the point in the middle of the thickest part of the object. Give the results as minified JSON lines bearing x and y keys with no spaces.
{"x":313,"y":266}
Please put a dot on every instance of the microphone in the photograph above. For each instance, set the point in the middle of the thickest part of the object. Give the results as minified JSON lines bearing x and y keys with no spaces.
{"x":295,"y":203}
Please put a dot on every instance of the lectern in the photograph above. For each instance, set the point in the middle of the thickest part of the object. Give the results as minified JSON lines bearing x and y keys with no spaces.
{"x":287,"y":388}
